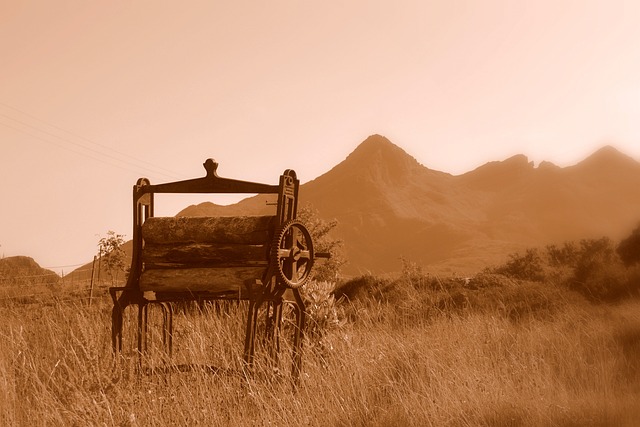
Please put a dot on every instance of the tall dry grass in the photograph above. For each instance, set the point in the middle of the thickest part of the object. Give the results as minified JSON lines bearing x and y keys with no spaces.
{"x":578,"y":365}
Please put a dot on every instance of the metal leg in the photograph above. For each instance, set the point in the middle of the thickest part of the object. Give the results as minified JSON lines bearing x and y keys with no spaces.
{"x":116,"y":328}
{"x":273,"y":330}
{"x":298,"y":335}
{"x":268,"y":325}
{"x":143,"y":317}
{"x":165,"y":320}
{"x":250,"y":337}
{"x":167,"y":328}
{"x":117,"y":314}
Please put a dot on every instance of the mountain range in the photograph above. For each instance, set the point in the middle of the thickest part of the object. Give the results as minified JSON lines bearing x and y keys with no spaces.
{"x":389,"y":206}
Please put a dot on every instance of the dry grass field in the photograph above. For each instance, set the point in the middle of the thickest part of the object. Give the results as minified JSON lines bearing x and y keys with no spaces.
{"x":545,"y":358}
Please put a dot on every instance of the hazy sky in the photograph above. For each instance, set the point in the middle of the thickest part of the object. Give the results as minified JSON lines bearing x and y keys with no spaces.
{"x":94,"y":95}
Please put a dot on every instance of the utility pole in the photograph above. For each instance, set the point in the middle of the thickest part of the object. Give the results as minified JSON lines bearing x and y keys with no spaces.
{"x":93,"y":269}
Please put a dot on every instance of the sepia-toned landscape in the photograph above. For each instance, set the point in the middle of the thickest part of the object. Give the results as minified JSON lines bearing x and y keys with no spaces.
{"x":547,"y":335}
{"x":293,"y":213}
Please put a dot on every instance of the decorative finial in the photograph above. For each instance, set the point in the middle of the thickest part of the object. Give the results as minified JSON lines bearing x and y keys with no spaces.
{"x":211,"y":166}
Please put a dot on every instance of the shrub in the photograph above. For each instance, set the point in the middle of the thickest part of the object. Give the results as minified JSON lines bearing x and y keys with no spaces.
{"x":633,"y":280}
{"x":629,"y":248}
{"x":413,"y":275}
{"x":322,"y":309}
{"x":320,"y":230}
{"x":599,"y":274}
{"x":608,"y":282}
{"x":591,"y":267}
{"x":110,"y":250}
{"x":487,"y":280}
{"x":363,"y":287}
{"x":564,"y":255}
{"x":528,"y":266}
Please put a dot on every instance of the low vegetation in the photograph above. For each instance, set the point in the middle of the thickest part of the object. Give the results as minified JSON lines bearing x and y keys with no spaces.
{"x":550,"y":338}
{"x":593,"y":267}
{"x":415,"y":350}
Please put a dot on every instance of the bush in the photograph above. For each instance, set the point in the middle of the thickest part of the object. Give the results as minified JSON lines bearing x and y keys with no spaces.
{"x":591,"y":267}
{"x":563,"y":255}
{"x":488,"y":280}
{"x":413,"y":275}
{"x":629,"y":248}
{"x":323,"y":311}
{"x":363,"y":287}
{"x":528,"y":266}
{"x":114,"y":257}
{"x":607,"y":282}
{"x":599,"y":274}
{"x":320,"y":230}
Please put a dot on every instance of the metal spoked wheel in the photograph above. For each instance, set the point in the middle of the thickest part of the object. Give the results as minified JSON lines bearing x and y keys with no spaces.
{"x":292,"y":253}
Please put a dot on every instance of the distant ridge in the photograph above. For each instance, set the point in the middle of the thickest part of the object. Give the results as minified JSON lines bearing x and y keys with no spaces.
{"x":610,"y":156}
{"x":389,"y":206}
{"x":23,"y":270}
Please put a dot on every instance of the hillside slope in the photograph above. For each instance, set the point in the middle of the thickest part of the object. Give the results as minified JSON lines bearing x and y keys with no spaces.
{"x":22,"y":270}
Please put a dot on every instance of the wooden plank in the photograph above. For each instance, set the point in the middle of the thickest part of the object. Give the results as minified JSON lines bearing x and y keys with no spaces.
{"x":245,"y":293}
{"x":248,"y":230}
{"x":185,"y":255}
{"x":200,"y":279}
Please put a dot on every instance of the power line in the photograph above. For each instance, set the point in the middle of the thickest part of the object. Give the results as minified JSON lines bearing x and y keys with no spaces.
{"x":67,"y":148}
{"x":45,"y":274}
{"x":170,"y":172}
{"x":65,"y":266}
{"x":78,"y":145}
{"x":119,"y":156}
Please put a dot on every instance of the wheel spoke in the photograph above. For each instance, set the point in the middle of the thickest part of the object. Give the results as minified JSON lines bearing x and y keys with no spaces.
{"x":302,"y":267}
{"x":294,"y":272}
{"x":295,"y":234}
{"x":284,"y":253}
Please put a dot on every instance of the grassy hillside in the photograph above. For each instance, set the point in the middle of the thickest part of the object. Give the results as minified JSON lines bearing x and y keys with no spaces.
{"x":22,"y":270}
{"x":414,"y":350}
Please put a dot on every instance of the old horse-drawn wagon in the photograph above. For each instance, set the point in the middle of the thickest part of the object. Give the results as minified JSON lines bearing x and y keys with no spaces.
{"x":264,"y":260}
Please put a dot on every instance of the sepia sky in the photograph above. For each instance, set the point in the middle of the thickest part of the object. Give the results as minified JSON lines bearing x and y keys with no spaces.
{"x":94,"y":95}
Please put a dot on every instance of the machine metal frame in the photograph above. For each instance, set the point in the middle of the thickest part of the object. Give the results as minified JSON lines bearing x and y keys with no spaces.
{"x":280,"y":282}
